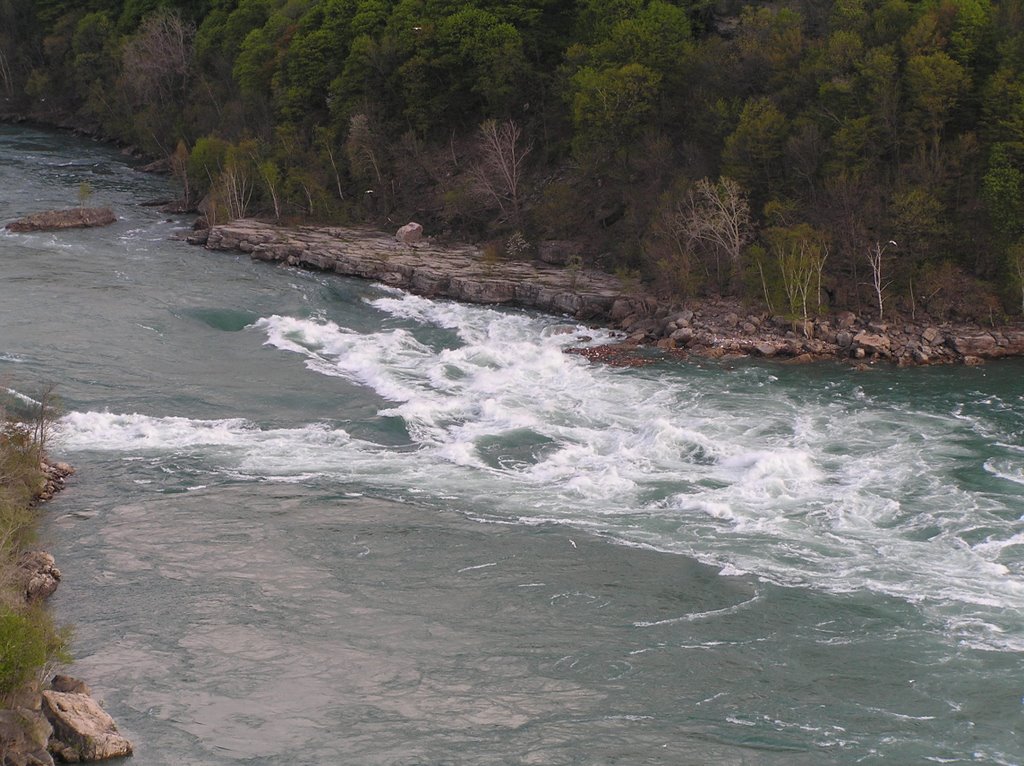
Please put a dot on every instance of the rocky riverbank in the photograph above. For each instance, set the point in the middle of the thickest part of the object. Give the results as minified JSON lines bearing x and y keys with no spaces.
{"x":61,"y":719}
{"x":711,"y":328}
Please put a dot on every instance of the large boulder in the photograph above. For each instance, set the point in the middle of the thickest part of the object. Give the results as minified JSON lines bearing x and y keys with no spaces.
{"x":82,"y":730}
{"x":879,"y":345}
{"x":981,"y":344}
{"x":410,"y":233}
{"x":75,"y":218}
{"x":39,"y":574}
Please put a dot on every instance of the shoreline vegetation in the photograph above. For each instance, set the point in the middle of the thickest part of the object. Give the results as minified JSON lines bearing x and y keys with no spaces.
{"x":710,"y":327}
{"x":813,"y":158}
{"x":40,"y":713}
{"x":30,"y":643}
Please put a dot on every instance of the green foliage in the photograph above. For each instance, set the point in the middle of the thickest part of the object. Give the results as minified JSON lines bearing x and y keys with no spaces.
{"x":84,"y":193}
{"x":1003,"y":192}
{"x":610,"y":106}
{"x":902,"y":116}
{"x":28,"y":639}
{"x":205,"y":163}
{"x":800,"y":254}
{"x":754,"y":150}
{"x":24,"y":648}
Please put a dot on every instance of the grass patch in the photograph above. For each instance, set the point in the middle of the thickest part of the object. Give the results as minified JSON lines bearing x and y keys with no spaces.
{"x":29,"y":641}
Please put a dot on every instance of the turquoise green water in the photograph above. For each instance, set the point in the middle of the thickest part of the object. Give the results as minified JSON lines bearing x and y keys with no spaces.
{"x":321,"y":521}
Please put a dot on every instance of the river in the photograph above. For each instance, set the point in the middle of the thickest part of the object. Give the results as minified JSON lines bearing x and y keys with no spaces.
{"x":317,"y":520}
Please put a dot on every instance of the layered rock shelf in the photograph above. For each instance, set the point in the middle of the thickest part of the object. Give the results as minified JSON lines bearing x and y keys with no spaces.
{"x":711,"y":328}
{"x":73,"y":218}
{"x":460,"y":272}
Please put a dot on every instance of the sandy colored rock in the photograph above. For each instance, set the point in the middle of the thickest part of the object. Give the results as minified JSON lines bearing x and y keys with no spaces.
{"x":879,"y":345}
{"x":411,"y":232}
{"x":82,"y":730}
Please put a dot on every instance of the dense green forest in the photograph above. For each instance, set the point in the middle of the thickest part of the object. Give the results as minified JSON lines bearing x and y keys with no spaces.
{"x":798,"y":153}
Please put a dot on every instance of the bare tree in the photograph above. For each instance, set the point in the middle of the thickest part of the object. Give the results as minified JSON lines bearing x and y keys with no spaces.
{"x":237,"y":182}
{"x":498,"y":172}
{"x":713,"y":220}
{"x":801,"y":252}
{"x":158,"y":59}
{"x":179,"y":170}
{"x":6,"y":79}
{"x":878,"y":282}
{"x":271,"y":175}
{"x":361,"y":147}
{"x":1016,"y":255}
{"x":325,"y":137}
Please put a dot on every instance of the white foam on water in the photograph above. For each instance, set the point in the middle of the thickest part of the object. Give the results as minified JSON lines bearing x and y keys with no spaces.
{"x":831,"y":488}
{"x":835,"y":491}
{"x":21,"y":397}
{"x":695,"y":616}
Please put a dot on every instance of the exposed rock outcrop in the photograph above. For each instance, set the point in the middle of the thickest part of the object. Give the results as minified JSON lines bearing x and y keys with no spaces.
{"x":56,"y":476}
{"x":73,"y":218}
{"x":39,"y":575}
{"x":455,"y":271}
{"x":25,"y":735}
{"x":82,"y":730}
{"x":710,"y":327}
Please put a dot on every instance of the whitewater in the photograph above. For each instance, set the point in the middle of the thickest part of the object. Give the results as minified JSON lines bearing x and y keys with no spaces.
{"x":322,"y":519}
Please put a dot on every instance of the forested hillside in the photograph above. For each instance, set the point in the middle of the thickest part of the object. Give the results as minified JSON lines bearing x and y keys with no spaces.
{"x":864,"y":154}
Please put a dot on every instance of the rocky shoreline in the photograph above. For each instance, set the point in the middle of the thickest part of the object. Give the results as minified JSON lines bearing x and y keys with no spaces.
{"x":710,"y":328}
{"x":62,"y":719}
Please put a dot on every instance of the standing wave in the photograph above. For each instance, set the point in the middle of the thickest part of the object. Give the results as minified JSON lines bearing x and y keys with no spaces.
{"x":823,"y":487}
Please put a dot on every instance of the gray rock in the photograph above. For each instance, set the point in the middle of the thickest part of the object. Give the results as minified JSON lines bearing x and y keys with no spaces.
{"x":975,"y":345}
{"x":559,"y":252}
{"x":682,"y":336}
{"x":846,"y":319}
{"x":39,"y":574}
{"x":61,"y":683}
{"x":24,"y":736}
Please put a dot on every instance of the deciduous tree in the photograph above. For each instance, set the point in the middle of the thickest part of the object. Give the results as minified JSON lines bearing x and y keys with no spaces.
{"x":499,"y":169}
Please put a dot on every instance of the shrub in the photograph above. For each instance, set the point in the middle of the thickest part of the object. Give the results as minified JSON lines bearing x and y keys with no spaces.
{"x":28,"y":638}
{"x":28,"y":643}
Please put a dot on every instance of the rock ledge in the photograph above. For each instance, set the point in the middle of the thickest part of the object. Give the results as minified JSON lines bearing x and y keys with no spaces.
{"x":73,"y":218}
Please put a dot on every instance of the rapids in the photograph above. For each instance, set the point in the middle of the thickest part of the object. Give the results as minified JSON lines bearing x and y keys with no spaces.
{"x":320,"y":520}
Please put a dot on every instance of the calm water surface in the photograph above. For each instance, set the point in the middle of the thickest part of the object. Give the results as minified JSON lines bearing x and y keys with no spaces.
{"x":321,"y":521}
